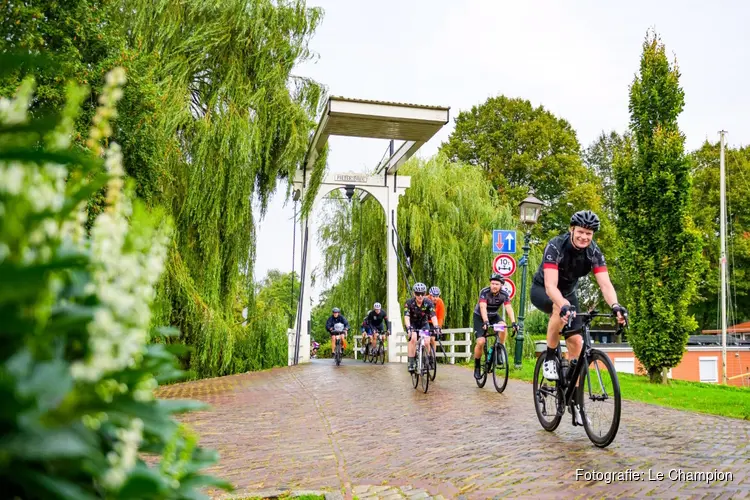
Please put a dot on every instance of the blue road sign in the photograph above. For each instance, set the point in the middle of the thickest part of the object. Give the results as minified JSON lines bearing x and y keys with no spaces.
{"x":504,"y":241}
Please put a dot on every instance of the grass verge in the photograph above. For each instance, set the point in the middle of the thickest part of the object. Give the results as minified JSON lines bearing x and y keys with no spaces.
{"x":713,"y":399}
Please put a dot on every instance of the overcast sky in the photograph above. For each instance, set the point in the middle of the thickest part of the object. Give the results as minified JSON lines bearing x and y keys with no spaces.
{"x":577,"y":58}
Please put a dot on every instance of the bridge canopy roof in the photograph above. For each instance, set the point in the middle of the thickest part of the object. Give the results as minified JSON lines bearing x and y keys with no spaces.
{"x":414,"y":124}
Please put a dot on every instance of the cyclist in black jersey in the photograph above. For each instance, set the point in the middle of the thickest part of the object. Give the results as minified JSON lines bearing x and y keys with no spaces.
{"x":486,"y":312}
{"x":566,"y":259}
{"x":419,"y":311}
{"x":375,"y":323}
{"x":336,"y":317}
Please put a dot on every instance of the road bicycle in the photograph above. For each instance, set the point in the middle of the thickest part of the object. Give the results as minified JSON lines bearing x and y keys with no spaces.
{"x":581,"y":388}
{"x":494,"y":359}
{"x":425,"y":358}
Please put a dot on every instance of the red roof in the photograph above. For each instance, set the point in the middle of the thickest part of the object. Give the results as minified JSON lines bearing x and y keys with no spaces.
{"x":739,"y":328}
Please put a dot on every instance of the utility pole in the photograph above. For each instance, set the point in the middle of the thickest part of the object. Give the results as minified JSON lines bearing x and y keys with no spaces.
{"x":723,"y":258}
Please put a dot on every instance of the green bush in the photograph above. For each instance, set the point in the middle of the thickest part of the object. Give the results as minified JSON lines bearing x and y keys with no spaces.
{"x":77,"y":374}
{"x":535,"y":323}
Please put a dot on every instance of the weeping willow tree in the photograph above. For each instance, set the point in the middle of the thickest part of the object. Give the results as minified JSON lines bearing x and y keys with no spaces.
{"x":234,"y":120}
{"x":445,"y":222}
{"x":353,"y":238}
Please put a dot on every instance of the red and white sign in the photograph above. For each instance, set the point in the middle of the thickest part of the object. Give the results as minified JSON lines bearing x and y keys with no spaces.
{"x":504,"y":264}
{"x":509,"y":287}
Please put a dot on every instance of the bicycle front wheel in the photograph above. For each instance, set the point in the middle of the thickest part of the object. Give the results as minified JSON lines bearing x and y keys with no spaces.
{"x":500,"y":370}
{"x":599,"y":399}
{"x":381,"y":353}
{"x":415,"y":373}
{"x":483,"y":368}
{"x":425,"y":372}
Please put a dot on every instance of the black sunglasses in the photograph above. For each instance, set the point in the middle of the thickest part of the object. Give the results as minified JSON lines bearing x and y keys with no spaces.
{"x":419,"y":294}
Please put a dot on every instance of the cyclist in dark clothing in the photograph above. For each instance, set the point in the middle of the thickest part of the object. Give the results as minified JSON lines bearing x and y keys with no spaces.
{"x":419,"y":311}
{"x":566,"y":259}
{"x":486,"y":312}
{"x":336,"y":317}
{"x":377,"y":323}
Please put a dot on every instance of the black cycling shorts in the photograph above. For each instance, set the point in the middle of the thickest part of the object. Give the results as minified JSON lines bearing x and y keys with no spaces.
{"x":373,"y":328}
{"x":479,"y":330}
{"x":542,"y":302}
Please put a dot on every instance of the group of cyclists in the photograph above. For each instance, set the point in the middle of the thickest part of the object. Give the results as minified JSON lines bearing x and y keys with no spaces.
{"x":566,"y":258}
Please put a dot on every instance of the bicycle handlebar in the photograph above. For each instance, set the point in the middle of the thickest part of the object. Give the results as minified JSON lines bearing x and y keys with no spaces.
{"x":589,"y":317}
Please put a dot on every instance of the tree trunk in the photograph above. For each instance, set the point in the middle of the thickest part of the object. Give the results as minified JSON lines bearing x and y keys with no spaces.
{"x":655,"y":375}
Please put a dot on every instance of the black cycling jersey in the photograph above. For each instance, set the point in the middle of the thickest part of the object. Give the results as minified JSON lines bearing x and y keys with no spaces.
{"x":419,"y":317}
{"x":494,"y":301}
{"x":376,"y":319}
{"x":570,"y":262}
{"x":332,"y":321}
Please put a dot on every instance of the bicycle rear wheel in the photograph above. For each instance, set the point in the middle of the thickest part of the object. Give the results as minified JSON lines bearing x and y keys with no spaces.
{"x":599,"y":399}
{"x":500,"y":368}
{"x":433,"y":364}
{"x":547,"y":396}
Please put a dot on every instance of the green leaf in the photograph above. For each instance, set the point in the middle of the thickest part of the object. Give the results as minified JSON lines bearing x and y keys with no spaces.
{"x":55,"y":486}
{"x":69,"y":318}
{"x":155,"y":420}
{"x":181,"y":405}
{"x":47,"y":444}
{"x":143,"y":482}
{"x":201,"y":481}
{"x":22,"y":282}
{"x":167,"y":331}
{"x":68,"y":157}
{"x":14,"y":61}
{"x":40,"y":126}
{"x":48,"y":384}
{"x":84,"y":193}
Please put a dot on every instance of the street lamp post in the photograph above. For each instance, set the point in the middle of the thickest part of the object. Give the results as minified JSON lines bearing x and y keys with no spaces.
{"x":530,"y":208}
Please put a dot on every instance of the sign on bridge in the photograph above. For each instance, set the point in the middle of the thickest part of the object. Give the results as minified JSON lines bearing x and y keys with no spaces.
{"x":504,"y":264}
{"x":504,"y":241}
{"x":510,"y":288}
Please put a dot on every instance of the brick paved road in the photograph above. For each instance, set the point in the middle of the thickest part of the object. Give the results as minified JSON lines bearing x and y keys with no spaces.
{"x":319,"y":426}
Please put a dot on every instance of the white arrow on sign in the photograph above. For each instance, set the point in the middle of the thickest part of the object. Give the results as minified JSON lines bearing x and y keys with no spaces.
{"x":509,"y":239}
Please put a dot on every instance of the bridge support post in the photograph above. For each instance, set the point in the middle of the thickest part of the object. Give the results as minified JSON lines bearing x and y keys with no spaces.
{"x":395,"y":313}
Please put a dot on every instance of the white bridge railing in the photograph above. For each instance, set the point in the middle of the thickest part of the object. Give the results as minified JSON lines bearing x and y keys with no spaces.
{"x":449,"y":345}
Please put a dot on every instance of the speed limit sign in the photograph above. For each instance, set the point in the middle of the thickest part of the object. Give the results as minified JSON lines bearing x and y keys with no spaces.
{"x":504,"y":264}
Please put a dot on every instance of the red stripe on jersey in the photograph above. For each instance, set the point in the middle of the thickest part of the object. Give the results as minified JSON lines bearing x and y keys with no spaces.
{"x":550,"y":265}
{"x":602,"y":269}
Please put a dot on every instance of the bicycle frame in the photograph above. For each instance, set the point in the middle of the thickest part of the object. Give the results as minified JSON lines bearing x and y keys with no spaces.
{"x":583,"y":357}
{"x":424,"y":338}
